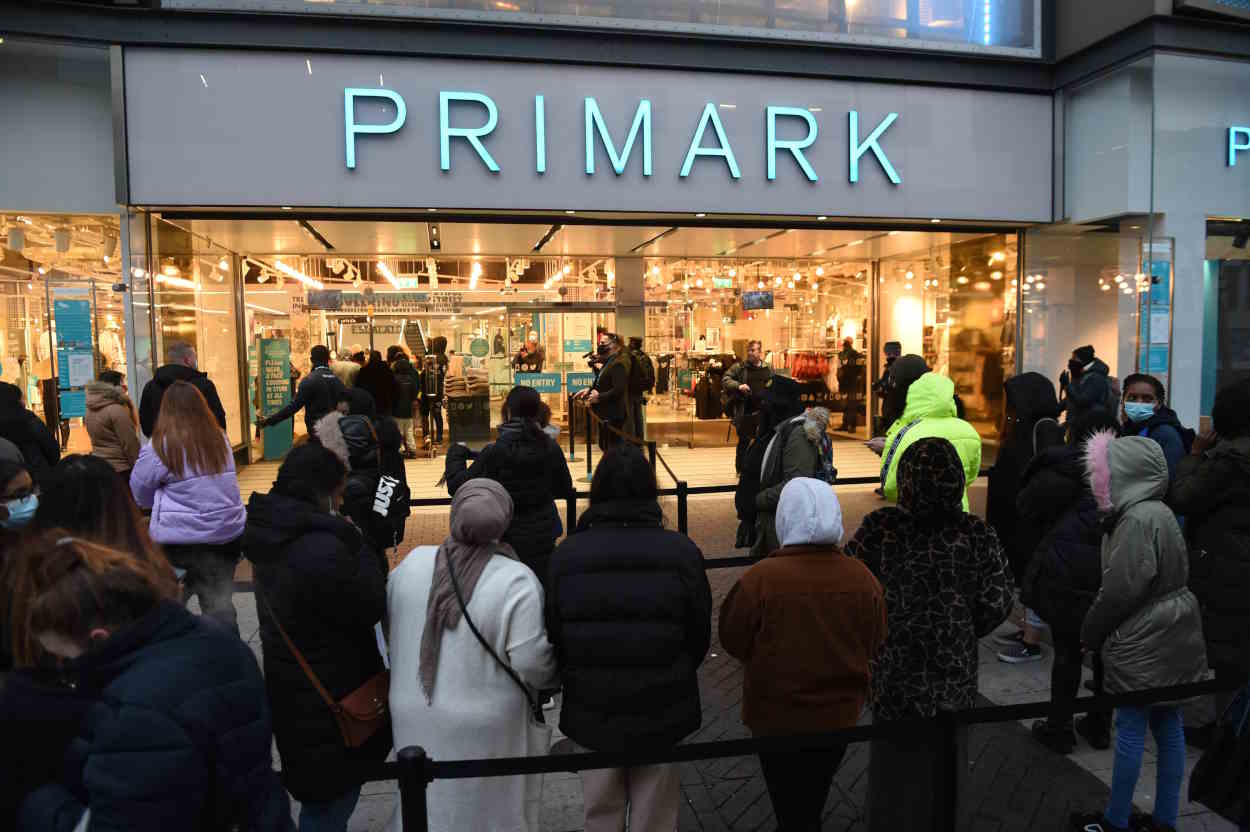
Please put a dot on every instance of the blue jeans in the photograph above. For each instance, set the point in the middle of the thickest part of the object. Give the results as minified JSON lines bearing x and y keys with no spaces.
{"x":1164,"y":722}
{"x":328,"y":815}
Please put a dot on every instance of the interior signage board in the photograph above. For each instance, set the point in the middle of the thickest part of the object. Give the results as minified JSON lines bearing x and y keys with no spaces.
{"x":354,"y":131}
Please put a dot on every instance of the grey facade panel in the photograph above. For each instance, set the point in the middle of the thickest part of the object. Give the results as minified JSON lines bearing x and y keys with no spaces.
{"x":260,"y":129}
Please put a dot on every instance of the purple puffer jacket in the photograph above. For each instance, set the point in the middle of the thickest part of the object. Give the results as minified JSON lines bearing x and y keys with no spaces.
{"x":194,"y":509}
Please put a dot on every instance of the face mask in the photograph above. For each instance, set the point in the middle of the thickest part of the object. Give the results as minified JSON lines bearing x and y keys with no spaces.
{"x":1138,"y":411}
{"x":21,"y":511}
{"x":1076,"y":367}
{"x":603,"y":349}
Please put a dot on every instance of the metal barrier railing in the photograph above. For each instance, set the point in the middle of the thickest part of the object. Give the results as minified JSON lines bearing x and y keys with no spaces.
{"x":414,"y":770}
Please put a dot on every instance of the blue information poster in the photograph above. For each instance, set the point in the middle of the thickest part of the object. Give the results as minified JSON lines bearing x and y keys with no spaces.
{"x":75,"y":357}
{"x":275,"y":394}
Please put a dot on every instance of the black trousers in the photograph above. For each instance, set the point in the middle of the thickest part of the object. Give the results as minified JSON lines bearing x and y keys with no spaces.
{"x":609,"y":439}
{"x":1065,"y":681}
{"x":746,"y":426}
{"x":209,"y":577}
{"x":798,"y":784}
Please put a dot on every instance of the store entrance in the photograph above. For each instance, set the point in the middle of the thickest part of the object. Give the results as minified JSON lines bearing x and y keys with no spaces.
{"x":510,"y":303}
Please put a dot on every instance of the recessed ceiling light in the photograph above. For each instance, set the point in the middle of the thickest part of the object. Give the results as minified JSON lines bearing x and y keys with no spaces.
{"x":431,"y":210}
{"x":821,"y":218}
{"x":700,"y":214}
{"x":286,"y":207}
{"x":570,"y":211}
{"x":934,"y":220}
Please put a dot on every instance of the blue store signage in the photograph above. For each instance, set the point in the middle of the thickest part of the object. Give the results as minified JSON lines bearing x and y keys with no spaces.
{"x":578,"y":381}
{"x":542,"y":382}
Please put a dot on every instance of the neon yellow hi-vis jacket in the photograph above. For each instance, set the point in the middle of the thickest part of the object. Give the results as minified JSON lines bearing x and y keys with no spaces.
{"x":930,"y":412}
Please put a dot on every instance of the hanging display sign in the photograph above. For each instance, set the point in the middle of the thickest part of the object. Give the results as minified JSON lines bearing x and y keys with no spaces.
{"x":506,"y":135}
{"x":542,"y":382}
{"x":400,"y":303}
{"x":331,"y":300}
{"x":275,"y":394}
{"x":75,"y":358}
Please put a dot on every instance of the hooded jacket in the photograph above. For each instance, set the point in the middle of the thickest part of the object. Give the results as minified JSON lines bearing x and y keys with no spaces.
{"x":110,"y":422}
{"x":946,"y":585}
{"x":800,"y":451}
{"x":353,"y":439}
{"x":1165,"y":428}
{"x":1063,"y":576}
{"x":193,"y":508}
{"x":38,"y":446}
{"x":930,"y":412}
{"x":532,"y":469}
{"x":1093,"y":390}
{"x":176,"y":736}
{"x":154,"y":391}
{"x":629,"y":612}
{"x":1031,"y":396}
{"x":327,"y":587}
{"x":1212,"y":491}
{"x":806,"y":622}
{"x":1145,"y":620}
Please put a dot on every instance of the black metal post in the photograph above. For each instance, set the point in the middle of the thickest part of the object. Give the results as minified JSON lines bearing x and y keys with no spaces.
{"x":589,"y":471}
{"x":651,"y":453}
{"x":413,"y":779}
{"x":683,"y":510}
{"x":570,"y":514}
{"x":572,"y":432}
{"x":946,"y":764}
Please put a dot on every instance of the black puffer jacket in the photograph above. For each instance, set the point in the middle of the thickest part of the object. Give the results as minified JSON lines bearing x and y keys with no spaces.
{"x":1065,"y":571}
{"x":326,"y":585}
{"x":407,"y":388}
{"x":629,"y":614}
{"x":379,"y":381}
{"x":1031,"y":397}
{"x":1212,"y":491}
{"x":531,"y":467}
{"x":177,"y":736}
{"x":24,"y":429}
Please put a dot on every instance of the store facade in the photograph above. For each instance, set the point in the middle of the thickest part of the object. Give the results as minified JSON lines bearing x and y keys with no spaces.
{"x":361,"y":199}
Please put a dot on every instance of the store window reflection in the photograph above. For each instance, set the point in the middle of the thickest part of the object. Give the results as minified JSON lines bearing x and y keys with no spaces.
{"x":1226,"y":305}
{"x":954,"y":303}
{"x":1090,"y":289}
{"x":69,"y":263}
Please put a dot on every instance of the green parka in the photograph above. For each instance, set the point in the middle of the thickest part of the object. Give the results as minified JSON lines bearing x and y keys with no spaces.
{"x":1145,"y":620}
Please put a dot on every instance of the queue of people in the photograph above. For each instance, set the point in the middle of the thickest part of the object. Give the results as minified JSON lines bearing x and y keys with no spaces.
{"x":129,"y":702}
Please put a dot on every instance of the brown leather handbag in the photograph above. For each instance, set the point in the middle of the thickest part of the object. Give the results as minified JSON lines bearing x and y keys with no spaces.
{"x":361,"y":713}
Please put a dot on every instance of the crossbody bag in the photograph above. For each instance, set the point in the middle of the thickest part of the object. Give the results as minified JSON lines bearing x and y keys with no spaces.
{"x":361,"y":713}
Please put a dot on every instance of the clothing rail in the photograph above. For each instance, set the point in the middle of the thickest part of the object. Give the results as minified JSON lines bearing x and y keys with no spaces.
{"x":414,"y":770}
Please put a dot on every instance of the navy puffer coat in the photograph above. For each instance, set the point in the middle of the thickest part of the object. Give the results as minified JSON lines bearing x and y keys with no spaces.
{"x":177,"y":736}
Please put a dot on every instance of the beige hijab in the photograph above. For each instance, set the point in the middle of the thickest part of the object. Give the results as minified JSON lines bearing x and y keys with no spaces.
{"x":481,"y":512}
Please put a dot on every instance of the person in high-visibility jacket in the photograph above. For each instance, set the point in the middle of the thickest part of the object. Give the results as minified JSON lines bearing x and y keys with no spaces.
{"x":930,"y":412}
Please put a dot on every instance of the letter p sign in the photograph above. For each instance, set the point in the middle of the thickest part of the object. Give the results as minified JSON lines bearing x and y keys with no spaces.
{"x":351,"y":128}
{"x":1238,"y":139}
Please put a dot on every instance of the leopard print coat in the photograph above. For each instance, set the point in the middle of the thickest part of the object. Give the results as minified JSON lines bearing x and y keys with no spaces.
{"x":946,"y":585}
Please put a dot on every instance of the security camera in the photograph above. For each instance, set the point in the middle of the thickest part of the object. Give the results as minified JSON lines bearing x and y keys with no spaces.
{"x":119,"y":287}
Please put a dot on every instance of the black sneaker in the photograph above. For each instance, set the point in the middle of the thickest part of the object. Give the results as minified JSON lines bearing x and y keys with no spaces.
{"x":1095,"y":731}
{"x":1057,"y":739}
{"x":1093,"y":822}
{"x":1021,"y":653}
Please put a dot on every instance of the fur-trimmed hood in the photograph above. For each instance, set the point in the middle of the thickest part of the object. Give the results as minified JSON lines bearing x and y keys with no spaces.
{"x":816,"y":424}
{"x":101,"y":394}
{"x":1124,"y":471}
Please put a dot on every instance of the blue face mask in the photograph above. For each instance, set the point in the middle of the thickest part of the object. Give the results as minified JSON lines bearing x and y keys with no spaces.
{"x":1138,"y":411}
{"x":21,"y":511}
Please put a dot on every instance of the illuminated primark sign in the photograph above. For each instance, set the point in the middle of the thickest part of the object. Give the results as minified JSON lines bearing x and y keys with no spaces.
{"x":709,"y":144}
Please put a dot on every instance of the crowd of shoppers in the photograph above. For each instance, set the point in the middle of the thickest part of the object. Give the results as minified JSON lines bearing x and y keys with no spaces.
{"x":126,"y":708}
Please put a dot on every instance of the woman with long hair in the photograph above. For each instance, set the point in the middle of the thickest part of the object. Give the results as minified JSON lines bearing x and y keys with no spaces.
{"x":172,"y":728}
{"x":186,"y":477}
{"x":529,"y":464}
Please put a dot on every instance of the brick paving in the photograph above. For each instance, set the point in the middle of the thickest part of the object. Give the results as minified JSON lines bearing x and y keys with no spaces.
{"x":1011,"y":783}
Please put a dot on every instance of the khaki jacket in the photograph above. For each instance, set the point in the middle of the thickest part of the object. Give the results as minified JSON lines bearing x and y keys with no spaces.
{"x":110,"y":422}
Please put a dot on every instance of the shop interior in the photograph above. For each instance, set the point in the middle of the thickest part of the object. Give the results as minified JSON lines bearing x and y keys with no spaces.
{"x":529,"y":298}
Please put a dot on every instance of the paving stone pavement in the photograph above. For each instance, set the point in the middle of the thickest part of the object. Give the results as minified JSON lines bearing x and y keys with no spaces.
{"x":1011,"y":783}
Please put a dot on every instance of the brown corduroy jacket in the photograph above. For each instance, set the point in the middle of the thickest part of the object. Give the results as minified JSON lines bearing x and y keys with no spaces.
{"x":806,"y":621}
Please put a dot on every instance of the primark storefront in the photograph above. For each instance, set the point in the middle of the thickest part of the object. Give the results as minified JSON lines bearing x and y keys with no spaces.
{"x":254,"y":183}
